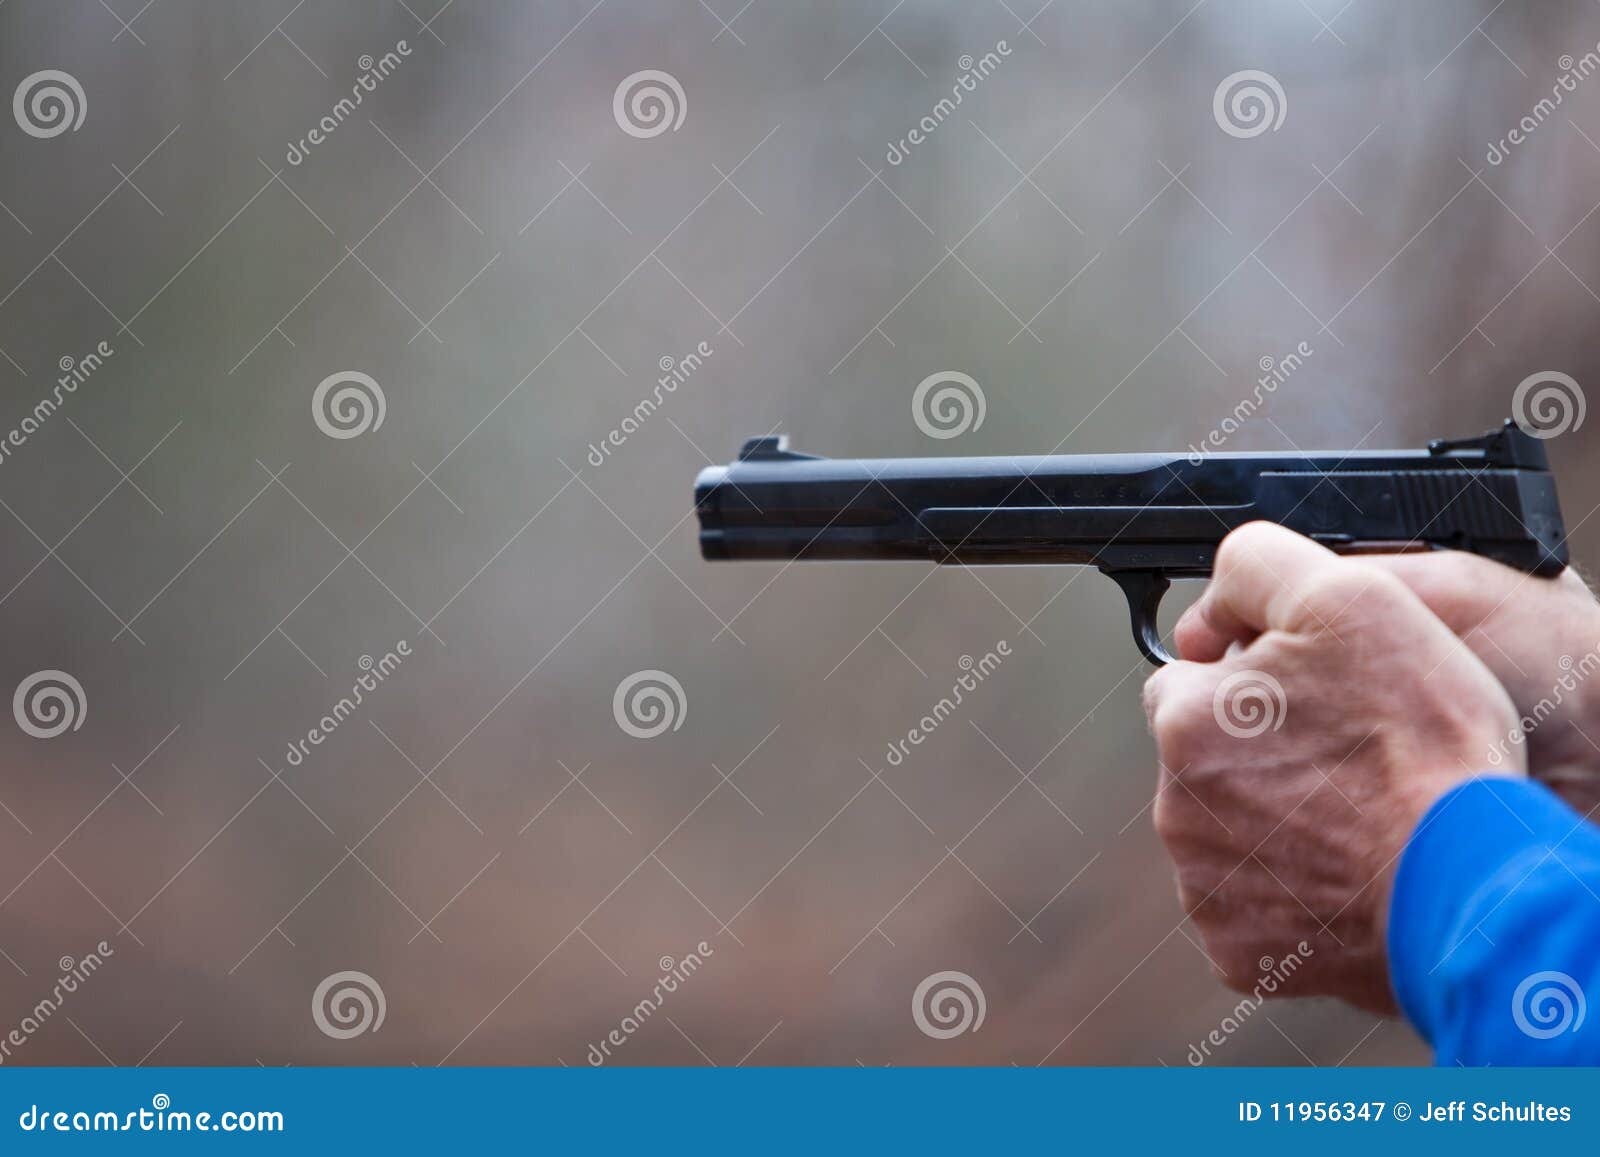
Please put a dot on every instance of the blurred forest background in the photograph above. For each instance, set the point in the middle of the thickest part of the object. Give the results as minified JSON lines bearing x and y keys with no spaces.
{"x":485,"y":239}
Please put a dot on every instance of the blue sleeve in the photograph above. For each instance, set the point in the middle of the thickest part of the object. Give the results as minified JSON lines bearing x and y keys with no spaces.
{"x":1494,"y":927}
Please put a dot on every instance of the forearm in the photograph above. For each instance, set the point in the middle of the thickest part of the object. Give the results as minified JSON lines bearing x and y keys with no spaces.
{"x":1494,"y":927}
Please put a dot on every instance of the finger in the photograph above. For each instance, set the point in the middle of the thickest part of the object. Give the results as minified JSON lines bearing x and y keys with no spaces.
{"x":1210,"y":627}
{"x":1166,"y":683}
{"x":1150,"y":697}
{"x":1206,"y":632}
{"x":1259,"y":579}
{"x":1172,"y":693}
{"x":1461,"y":588}
{"x":1156,"y":687}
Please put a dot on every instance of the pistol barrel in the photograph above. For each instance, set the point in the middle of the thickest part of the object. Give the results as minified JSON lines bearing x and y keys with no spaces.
{"x":1494,"y":496}
{"x":1141,"y":518}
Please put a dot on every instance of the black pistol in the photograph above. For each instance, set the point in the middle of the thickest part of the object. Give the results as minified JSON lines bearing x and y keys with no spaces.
{"x":1143,"y":519}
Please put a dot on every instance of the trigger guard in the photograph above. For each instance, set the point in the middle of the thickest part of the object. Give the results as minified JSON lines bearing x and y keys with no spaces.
{"x":1143,"y":590}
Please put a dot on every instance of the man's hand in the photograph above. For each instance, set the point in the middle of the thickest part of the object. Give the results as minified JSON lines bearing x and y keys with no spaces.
{"x":1541,"y":638}
{"x":1331,"y":709}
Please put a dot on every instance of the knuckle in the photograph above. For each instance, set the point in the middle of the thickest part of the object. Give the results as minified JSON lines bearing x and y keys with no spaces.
{"x":1191,"y":901}
{"x":1151,"y":695}
{"x":1332,"y":589}
{"x":1462,"y":568}
{"x":1244,"y":542}
{"x":1161,"y":816}
{"x":1170,"y":815}
{"x":1453,"y":582}
{"x":1177,"y":701}
{"x":1176,"y":720}
{"x":1166,"y":724}
{"x":1351,"y":585}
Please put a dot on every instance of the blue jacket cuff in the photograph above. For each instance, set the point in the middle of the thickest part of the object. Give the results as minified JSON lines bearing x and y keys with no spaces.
{"x":1475,"y":839}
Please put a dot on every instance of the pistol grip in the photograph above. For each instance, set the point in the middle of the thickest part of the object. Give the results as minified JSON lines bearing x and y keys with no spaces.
{"x":1143,"y":589}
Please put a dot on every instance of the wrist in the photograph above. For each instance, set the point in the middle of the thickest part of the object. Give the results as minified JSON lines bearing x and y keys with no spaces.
{"x":1404,"y":814}
{"x":1554,"y":726}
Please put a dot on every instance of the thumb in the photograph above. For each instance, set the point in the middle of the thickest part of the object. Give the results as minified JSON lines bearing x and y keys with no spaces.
{"x":1462,"y":589}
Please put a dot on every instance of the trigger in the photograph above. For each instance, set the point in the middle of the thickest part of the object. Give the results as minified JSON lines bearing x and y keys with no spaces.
{"x":1143,"y":589}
